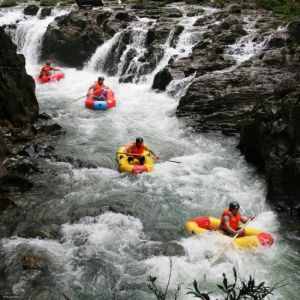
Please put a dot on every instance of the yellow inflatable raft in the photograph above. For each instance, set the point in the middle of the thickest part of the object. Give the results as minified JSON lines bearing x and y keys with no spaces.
{"x":253,"y":237}
{"x":134,"y":166}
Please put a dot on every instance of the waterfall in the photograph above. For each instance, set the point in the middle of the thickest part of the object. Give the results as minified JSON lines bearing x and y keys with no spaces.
{"x":105,"y":232}
{"x":29,"y":32}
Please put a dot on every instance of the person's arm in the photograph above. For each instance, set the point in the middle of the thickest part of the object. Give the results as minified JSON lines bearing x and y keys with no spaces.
{"x":245,"y":220}
{"x":128,"y":150}
{"x":55,"y":69}
{"x":41,"y":73}
{"x":148,"y":149}
{"x":227,"y":225}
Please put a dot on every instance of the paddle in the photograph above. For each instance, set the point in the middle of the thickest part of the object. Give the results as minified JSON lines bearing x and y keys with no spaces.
{"x":84,"y":96}
{"x":216,"y":257}
{"x":173,"y":161}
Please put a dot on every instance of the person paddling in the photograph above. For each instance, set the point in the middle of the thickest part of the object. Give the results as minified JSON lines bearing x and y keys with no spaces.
{"x":136,"y":149}
{"x":98,"y":88}
{"x":46,"y":69}
{"x":230,"y":220}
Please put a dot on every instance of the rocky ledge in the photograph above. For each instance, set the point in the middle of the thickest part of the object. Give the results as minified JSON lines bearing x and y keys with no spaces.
{"x":23,"y":131}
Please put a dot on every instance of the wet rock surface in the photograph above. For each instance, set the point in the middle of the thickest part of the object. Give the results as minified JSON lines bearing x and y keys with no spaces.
{"x":71,"y":40}
{"x":18,"y":103}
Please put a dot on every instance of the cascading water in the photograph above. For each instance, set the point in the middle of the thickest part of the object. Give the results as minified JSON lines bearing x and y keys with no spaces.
{"x":248,"y":45}
{"x":114,"y":229}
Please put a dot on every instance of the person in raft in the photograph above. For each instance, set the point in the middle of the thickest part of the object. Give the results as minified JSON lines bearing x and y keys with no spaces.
{"x":230,"y":220}
{"x":136,"y":149}
{"x":46,"y":69}
{"x":98,"y":87}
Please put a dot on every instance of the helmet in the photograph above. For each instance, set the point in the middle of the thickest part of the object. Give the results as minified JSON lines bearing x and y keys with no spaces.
{"x":48,"y":62}
{"x":100,"y":78}
{"x":139,"y":140}
{"x":233,"y":205}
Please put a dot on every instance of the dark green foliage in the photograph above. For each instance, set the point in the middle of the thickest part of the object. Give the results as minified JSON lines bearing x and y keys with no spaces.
{"x":246,"y":290}
{"x":289,"y":8}
{"x":157,"y":291}
{"x":48,"y":2}
{"x":8,"y":3}
{"x":196,"y":292}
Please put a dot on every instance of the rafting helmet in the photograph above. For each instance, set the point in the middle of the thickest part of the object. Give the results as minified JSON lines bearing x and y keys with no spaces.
{"x":139,"y":140}
{"x":233,"y":205}
{"x":100,"y":78}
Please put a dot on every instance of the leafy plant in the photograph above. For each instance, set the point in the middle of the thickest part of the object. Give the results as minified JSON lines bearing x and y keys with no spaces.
{"x":157,"y":291}
{"x":289,"y":8}
{"x":246,"y":290}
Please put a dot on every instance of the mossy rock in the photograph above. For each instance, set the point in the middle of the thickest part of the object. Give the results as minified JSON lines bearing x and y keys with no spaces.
{"x":48,"y":2}
{"x":8,"y":3}
{"x":31,"y":10}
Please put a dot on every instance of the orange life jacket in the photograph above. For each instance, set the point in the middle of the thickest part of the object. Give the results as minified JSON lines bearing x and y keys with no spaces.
{"x":135,"y":149}
{"x":45,"y":70}
{"x":234,"y":220}
{"x":98,"y":89}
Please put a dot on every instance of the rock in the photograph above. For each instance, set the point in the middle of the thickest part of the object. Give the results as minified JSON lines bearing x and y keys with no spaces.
{"x":130,"y":55}
{"x":150,"y":249}
{"x":18,"y":103}
{"x":45,"y":12}
{"x":124,"y":16}
{"x":53,"y":129}
{"x":162,"y":79}
{"x":44,"y":116}
{"x":31,"y":10}
{"x":83,"y":3}
{"x":6,"y":202}
{"x":3,"y":151}
{"x":294,"y":31}
{"x":126,"y":78}
{"x":11,"y":182}
{"x":20,"y":165}
{"x":235,"y":9}
{"x":276,"y":42}
{"x":270,"y":139}
{"x":72,"y":39}
{"x":174,"y":38}
{"x":34,"y":263}
{"x":110,"y":65}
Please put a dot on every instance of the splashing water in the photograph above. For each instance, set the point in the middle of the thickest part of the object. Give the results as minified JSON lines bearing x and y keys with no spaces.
{"x":99,"y":252}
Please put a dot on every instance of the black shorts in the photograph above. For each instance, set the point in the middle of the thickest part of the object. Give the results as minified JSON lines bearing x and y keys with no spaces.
{"x":226,"y":232}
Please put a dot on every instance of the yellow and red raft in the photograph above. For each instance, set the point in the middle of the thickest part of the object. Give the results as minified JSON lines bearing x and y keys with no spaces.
{"x":134,"y":167}
{"x":252,"y":238}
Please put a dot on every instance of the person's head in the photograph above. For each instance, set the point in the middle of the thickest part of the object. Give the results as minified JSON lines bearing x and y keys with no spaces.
{"x":139,"y":142}
{"x":234,"y":207}
{"x":48,"y":63}
{"x":100,"y":79}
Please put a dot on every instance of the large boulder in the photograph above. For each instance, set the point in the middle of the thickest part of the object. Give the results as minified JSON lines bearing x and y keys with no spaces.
{"x":31,"y":10}
{"x":72,"y":39}
{"x":271,"y":139}
{"x":18,"y":103}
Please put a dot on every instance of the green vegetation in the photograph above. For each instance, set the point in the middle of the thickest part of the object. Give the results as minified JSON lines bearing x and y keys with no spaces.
{"x":8,"y":3}
{"x":288,"y":8}
{"x":48,"y":2}
{"x":232,"y":291}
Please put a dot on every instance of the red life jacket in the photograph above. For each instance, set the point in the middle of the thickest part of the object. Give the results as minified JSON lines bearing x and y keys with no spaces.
{"x":234,"y":220}
{"x":136,"y":150}
{"x":45,"y":70}
{"x":98,"y":89}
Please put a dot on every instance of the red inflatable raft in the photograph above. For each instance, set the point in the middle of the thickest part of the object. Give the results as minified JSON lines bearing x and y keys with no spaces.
{"x":53,"y":77}
{"x":108,"y":101}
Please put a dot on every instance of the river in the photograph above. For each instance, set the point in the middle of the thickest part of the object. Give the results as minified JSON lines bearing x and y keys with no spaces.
{"x":116,"y":229}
